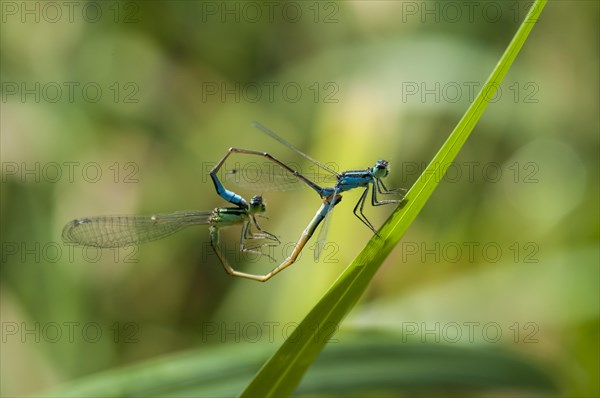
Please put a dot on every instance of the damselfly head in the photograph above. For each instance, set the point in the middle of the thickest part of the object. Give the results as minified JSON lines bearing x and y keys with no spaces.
{"x":257,"y":205}
{"x":381,"y":168}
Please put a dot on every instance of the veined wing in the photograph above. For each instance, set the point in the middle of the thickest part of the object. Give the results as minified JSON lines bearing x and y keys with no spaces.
{"x":119,"y":231}
{"x":322,"y":238}
{"x":260,"y":174}
{"x":292,"y":147}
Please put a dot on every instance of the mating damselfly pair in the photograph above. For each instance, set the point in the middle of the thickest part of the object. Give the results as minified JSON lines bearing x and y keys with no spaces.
{"x":120,"y":231}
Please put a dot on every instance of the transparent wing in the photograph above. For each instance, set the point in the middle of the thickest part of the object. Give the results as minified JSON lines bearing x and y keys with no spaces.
{"x":322,"y":238}
{"x":335,"y":199}
{"x":292,"y":147}
{"x":262,"y":175}
{"x":119,"y":231}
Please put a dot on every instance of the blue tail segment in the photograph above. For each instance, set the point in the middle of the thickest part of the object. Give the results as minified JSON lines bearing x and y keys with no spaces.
{"x":226,"y":194}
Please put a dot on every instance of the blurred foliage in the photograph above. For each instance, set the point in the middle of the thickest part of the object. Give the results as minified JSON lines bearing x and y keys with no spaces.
{"x":386,"y":363}
{"x":157,"y":127}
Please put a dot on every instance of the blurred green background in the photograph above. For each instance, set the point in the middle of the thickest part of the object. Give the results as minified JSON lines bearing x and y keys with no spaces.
{"x":123,"y":107}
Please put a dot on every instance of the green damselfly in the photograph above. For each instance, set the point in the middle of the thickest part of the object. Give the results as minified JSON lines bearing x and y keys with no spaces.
{"x":127,"y":230}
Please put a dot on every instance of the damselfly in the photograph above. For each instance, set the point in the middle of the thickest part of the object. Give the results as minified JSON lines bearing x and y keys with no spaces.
{"x":370,"y":179}
{"x":121,"y":231}
{"x":326,"y":207}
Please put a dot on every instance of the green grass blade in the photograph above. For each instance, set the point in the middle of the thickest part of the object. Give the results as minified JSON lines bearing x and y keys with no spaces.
{"x":378,"y":362}
{"x":283,"y":371}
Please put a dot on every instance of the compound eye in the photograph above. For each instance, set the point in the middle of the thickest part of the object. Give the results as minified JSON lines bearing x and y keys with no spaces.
{"x":256,"y":200}
{"x":381,"y":168}
{"x":382,"y":164}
